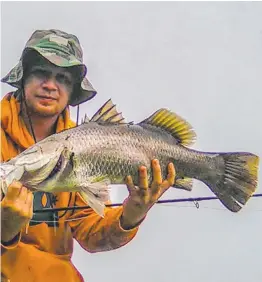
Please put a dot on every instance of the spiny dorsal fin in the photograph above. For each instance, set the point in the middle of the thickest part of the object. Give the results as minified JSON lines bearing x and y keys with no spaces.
{"x":108,"y":114}
{"x":179,"y":128}
{"x":85,"y":120}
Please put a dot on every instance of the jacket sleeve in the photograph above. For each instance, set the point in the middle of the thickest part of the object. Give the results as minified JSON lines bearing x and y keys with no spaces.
{"x":97,"y":234}
{"x":10,"y":245}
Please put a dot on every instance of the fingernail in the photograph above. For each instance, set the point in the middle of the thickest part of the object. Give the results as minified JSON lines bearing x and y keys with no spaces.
{"x":128,"y":178}
{"x":16,"y":183}
{"x":155,"y":162}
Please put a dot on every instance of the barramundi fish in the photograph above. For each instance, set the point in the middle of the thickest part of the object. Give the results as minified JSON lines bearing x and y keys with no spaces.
{"x":105,"y":149}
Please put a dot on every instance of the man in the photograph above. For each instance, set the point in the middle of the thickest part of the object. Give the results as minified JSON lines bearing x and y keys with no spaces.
{"x":49,"y":77}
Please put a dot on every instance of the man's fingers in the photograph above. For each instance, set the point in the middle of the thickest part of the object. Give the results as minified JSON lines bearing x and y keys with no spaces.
{"x":13,"y":190}
{"x":171,"y":174}
{"x":29,"y":203}
{"x":29,"y":198}
{"x":23,"y":194}
{"x":16,"y":191}
{"x":170,"y":181}
{"x":157,"y":175}
{"x":130,"y":185}
{"x":143,"y":179}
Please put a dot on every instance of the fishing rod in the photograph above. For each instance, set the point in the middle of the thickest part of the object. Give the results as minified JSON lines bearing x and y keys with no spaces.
{"x":194,"y":200}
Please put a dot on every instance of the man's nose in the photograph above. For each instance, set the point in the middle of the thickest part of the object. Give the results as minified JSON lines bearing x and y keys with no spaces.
{"x":50,"y":84}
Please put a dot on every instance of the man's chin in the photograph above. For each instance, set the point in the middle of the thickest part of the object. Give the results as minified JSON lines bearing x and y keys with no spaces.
{"x":46,"y":111}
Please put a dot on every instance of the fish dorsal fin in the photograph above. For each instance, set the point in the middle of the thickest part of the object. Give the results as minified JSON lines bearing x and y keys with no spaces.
{"x":108,"y":114}
{"x":86,"y":119}
{"x":178,"y":127}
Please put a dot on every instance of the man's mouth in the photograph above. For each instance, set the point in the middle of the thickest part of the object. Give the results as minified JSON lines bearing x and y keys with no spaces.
{"x":45,"y":97}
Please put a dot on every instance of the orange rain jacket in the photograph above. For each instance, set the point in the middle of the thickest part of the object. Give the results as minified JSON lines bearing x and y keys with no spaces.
{"x":44,"y":253}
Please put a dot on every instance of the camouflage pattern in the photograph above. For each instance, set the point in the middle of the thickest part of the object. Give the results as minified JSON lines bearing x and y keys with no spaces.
{"x":61,"y":49}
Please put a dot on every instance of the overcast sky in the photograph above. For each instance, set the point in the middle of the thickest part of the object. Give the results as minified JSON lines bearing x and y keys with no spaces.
{"x":201,"y":60}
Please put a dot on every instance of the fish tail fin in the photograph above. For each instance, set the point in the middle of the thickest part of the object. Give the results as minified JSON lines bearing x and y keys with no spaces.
{"x":236,"y":180}
{"x":9,"y":173}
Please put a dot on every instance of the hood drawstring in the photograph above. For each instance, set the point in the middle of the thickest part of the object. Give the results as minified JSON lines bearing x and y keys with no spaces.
{"x":27,"y":113}
{"x":77,"y":115}
{"x":55,"y":218}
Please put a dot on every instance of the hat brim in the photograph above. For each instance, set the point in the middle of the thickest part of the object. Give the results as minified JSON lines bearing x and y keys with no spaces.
{"x":85,"y":93}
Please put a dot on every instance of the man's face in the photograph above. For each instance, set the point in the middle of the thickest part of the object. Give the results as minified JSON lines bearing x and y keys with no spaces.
{"x":47,"y":88}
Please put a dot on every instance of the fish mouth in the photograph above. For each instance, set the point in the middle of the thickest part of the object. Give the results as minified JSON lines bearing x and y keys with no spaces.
{"x":56,"y":168}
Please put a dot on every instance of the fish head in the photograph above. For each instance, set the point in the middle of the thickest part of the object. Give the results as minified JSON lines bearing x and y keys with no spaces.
{"x":46,"y":164}
{"x":34,"y":165}
{"x":59,"y":171}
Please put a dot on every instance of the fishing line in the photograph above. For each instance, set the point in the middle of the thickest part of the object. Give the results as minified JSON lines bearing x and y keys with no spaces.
{"x":194,"y":200}
{"x":206,"y":207}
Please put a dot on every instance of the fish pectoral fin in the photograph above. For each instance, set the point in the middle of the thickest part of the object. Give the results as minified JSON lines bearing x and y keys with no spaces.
{"x":108,"y":114}
{"x":96,"y":194}
{"x":185,"y":184}
{"x":97,"y":205}
{"x":173,"y":124}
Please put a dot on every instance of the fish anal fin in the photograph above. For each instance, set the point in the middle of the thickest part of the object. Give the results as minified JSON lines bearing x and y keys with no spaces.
{"x":185,"y":184}
{"x":108,"y":114}
{"x":173,"y":124}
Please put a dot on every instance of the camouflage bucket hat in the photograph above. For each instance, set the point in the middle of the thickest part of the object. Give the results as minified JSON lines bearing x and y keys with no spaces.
{"x":61,"y":49}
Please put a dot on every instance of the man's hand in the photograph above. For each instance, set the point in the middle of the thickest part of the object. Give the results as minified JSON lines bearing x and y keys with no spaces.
{"x":142,"y":198}
{"x":16,"y":210}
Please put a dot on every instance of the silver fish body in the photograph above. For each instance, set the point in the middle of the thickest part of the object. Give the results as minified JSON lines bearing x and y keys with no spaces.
{"x":104,"y":151}
{"x":115,"y":151}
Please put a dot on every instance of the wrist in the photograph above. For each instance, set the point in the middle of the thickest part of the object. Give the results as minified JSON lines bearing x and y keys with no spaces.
{"x":10,"y":230}
{"x":130,"y":224}
{"x":7,"y":241}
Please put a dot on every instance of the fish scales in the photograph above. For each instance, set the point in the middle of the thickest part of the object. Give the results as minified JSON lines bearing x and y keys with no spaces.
{"x":105,"y":149}
{"x":120,"y":150}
